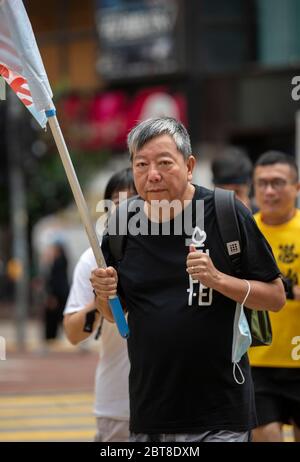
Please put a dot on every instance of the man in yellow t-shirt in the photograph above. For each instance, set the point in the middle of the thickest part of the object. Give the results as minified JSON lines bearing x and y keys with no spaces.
{"x":276,"y":368}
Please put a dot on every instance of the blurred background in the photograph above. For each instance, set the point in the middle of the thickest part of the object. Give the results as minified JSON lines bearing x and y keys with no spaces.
{"x":224,"y":68}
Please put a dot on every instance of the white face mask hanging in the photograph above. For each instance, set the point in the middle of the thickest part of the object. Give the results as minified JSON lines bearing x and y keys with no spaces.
{"x":241,"y":336}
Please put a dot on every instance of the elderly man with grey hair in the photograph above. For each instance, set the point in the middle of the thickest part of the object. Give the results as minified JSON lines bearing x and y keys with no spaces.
{"x":182,"y":299}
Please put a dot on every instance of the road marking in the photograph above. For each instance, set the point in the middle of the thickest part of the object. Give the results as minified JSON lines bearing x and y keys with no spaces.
{"x":18,"y":424}
{"x":8,"y":400}
{"x":61,"y":435}
{"x":53,"y":417}
{"x":43,"y":410}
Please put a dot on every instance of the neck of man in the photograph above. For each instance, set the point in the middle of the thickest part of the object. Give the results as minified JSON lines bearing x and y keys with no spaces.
{"x":277,"y":220}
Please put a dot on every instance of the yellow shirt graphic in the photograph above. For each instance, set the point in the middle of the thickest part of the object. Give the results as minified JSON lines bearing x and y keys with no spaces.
{"x":285,"y":348}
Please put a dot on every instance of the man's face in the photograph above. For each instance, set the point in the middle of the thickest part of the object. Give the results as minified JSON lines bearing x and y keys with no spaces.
{"x":275,"y":192}
{"x":161,"y":172}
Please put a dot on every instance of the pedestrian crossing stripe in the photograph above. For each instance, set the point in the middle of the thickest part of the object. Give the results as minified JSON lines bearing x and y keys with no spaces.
{"x":67,"y":409}
{"x":8,"y":400}
{"x":60,"y":417}
{"x":50,"y":436}
{"x":17,"y":424}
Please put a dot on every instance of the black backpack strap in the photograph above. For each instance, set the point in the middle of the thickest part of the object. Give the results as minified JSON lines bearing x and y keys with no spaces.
{"x":228,"y":226}
{"x":118,"y":227}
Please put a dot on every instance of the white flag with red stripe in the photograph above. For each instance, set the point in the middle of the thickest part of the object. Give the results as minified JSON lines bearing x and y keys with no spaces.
{"x":20,"y":61}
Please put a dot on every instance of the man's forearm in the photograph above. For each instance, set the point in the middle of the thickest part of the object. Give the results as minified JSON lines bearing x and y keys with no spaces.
{"x":265,"y":296}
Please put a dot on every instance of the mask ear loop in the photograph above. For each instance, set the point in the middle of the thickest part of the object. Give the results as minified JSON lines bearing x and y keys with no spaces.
{"x":236,"y":365}
{"x":247,"y":294}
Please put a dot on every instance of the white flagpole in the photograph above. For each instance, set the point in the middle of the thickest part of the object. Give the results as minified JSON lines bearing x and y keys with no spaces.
{"x":76,"y":189}
{"x":114,"y":302}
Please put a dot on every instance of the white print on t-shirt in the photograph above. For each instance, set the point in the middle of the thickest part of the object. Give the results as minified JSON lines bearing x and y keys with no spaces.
{"x":204,"y":293}
{"x":295,"y":354}
{"x":198,"y":237}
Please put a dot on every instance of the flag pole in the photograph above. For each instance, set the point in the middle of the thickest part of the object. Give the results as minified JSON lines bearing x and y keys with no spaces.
{"x":76,"y":189}
{"x":114,"y":302}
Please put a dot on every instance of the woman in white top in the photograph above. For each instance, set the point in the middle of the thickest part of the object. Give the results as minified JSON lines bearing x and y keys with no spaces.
{"x":111,"y":382}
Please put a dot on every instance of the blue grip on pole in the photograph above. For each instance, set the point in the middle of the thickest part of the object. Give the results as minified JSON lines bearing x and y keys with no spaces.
{"x":119,"y":316}
{"x":50,"y":112}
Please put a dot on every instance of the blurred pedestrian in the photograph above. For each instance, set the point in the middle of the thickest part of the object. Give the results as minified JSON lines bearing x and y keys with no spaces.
{"x":111,"y":382}
{"x":56,"y":288}
{"x":276,"y":368}
{"x":232,"y":169}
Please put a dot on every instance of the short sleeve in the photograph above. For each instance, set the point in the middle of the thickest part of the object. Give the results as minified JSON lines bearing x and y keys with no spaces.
{"x":81,"y":292}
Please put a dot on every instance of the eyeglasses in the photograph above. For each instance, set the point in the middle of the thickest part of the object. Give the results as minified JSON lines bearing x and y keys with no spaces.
{"x":276,"y":183}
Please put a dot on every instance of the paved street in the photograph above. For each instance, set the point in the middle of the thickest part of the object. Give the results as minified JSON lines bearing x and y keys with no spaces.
{"x":46,"y":395}
{"x":47,"y":417}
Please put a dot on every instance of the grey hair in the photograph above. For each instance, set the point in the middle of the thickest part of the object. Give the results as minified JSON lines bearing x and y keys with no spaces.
{"x":151,"y":128}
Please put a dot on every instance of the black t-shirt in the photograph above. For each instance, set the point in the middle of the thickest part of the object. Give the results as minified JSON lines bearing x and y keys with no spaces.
{"x":181,"y":378}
